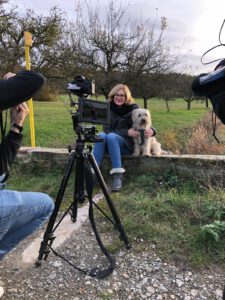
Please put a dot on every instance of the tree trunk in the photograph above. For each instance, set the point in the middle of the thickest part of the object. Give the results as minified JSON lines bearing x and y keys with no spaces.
{"x":145,"y":103}
{"x":189,"y":105}
{"x":167,"y":105}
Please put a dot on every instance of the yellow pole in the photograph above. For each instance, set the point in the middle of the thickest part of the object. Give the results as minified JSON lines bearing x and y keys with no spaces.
{"x":28,"y":44}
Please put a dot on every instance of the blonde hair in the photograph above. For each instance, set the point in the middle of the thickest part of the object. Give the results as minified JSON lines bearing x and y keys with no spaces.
{"x":127,"y":92}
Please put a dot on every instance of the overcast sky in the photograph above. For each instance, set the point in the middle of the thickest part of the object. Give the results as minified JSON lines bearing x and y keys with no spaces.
{"x":193,"y":25}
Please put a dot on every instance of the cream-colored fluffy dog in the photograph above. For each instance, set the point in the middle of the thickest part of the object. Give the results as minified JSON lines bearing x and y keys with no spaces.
{"x":144,"y":145}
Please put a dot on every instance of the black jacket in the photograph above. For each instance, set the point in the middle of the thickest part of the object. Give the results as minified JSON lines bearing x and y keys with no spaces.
{"x":14,"y":91}
{"x":120,"y":122}
{"x":8,"y":150}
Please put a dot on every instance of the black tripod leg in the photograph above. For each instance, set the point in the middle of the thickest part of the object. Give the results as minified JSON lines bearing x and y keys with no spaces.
{"x":48,"y":235}
{"x":104,"y":188}
{"x":79,"y":196}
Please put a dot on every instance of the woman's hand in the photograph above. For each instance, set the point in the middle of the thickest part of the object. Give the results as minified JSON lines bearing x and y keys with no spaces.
{"x":133,"y":133}
{"x":149,"y":132}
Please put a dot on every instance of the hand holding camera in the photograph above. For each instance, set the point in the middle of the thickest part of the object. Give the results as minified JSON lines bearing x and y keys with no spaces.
{"x":18,"y":115}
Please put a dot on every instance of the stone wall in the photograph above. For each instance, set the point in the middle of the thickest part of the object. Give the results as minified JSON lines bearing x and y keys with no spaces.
{"x":210,"y":168}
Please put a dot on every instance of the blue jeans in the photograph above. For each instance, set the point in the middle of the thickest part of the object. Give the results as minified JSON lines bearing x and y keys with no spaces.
{"x":114,"y":145}
{"x":21,"y":213}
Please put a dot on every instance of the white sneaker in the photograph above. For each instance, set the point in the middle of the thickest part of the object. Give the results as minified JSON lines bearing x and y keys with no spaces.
{"x":1,"y":291}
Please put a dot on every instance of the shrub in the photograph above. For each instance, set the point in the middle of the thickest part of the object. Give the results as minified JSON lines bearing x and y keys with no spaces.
{"x":202,"y":140}
{"x":213,"y":232}
{"x":46,"y":94}
{"x":169,"y":142}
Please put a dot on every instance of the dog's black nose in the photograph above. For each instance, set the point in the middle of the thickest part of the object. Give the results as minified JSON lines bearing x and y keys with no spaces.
{"x":143,"y":121}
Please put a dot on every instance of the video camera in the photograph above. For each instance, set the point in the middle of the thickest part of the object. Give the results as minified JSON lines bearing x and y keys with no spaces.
{"x":81,"y":86}
{"x":88,"y":111}
{"x":212,"y":85}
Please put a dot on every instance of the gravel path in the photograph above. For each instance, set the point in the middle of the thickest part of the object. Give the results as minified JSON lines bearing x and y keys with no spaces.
{"x":139,"y":273}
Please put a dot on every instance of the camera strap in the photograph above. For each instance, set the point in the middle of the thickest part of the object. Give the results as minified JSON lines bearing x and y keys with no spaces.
{"x":95,"y":272}
{"x":214,"y":126}
{"x":3,"y":152}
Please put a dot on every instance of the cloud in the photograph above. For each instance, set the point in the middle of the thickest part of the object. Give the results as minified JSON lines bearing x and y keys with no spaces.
{"x":193,"y":26}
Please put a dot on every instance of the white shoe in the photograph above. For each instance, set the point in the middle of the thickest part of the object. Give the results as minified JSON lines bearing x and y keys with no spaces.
{"x":1,"y":291}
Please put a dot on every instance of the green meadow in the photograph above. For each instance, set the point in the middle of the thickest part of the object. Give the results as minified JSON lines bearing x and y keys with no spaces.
{"x":54,"y":126}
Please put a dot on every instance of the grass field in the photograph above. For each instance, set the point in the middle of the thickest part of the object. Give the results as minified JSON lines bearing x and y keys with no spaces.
{"x":180,"y":217}
{"x":54,"y":128}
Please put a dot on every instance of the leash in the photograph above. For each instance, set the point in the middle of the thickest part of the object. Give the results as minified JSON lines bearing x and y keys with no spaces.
{"x":214,"y":127}
{"x":142,"y":135}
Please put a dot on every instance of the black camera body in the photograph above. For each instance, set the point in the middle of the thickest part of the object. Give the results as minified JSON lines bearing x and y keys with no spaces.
{"x":212,"y":85}
{"x":87,"y":110}
{"x":81,"y":86}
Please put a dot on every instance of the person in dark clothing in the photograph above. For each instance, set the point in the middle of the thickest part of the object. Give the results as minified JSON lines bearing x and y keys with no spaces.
{"x":20,"y":212}
{"x":118,"y":136}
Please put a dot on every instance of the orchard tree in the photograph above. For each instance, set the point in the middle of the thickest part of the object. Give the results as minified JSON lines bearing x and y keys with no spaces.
{"x":168,"y":87}
{"x":114,"y":47}
{"x":184,"y":83}
{"x":145,"y":86}
{"x":46,"y":54}
{"x":148,"y":59}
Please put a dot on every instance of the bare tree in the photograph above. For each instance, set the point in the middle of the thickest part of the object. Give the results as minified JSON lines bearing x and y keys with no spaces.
{"x":109,"y":46}
{"x":184,"y":89}
{"x":167,"y":87}
{"x":116,"y":48}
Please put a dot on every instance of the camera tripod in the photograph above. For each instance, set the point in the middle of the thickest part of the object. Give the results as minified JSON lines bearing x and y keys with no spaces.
{"x":81,"y":156}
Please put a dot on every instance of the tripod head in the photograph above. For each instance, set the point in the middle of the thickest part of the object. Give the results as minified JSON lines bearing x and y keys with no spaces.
{"x":84,"y":133}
